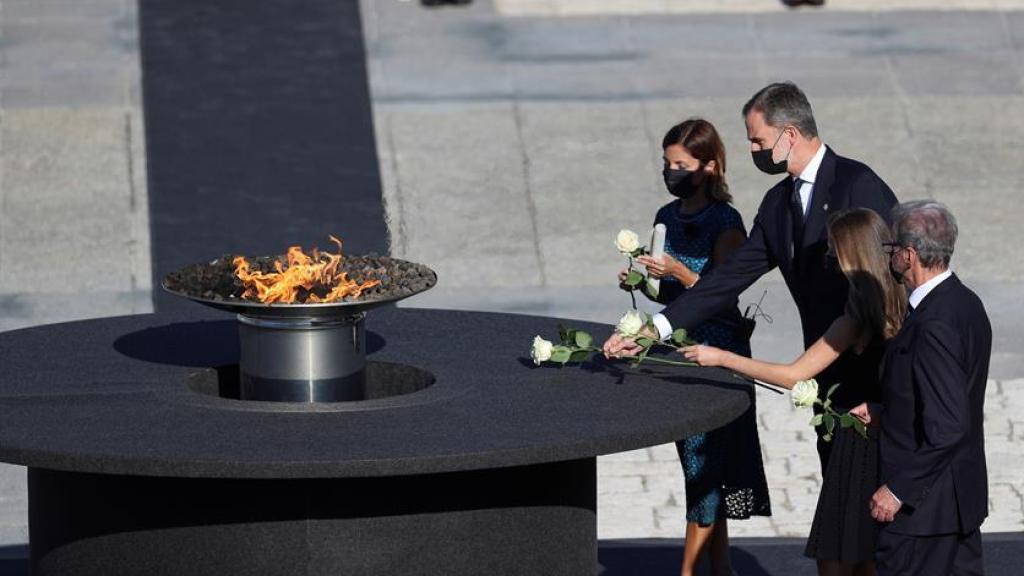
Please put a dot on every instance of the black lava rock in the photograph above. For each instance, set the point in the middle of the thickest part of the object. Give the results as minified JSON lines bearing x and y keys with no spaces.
{"x":216,"y":280}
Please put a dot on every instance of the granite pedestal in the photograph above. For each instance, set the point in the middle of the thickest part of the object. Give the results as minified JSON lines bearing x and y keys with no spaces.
{"x":467,"y":459}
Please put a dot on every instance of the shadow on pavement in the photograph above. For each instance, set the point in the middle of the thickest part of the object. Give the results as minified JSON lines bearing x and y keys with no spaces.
{"x":1003,"y":551}
{"x":750,"y":557}
{"x":649,"y":557}
{"x":14,"y":560}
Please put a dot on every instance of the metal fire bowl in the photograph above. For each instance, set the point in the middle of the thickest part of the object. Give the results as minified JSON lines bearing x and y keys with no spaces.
{"x":311,"y":311}
{"x":298,"y":352}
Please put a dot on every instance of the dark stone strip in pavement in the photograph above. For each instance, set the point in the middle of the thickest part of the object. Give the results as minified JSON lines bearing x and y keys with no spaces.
{"x":642,"y":557}
{"x":258,"y":128}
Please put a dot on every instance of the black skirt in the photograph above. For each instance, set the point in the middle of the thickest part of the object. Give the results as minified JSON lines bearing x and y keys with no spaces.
{"x":843,"y":529}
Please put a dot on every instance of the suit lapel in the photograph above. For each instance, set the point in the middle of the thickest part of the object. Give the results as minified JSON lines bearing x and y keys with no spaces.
{"x":892,"y":352}
{"x":816,"y":215}
{"x":938,"y":293}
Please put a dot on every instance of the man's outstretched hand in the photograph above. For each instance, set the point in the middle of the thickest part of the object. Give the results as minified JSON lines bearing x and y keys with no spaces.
{"x":618,"y":346}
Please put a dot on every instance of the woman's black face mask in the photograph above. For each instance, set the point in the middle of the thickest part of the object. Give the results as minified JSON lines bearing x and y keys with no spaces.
{"x":679,"y":182}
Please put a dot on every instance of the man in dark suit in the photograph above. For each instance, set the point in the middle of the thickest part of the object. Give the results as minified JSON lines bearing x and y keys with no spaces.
{"x":934,"y":493}
{"x":789,"y":229}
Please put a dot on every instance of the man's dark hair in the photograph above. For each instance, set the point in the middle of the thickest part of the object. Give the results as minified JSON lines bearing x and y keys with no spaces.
{"x":783,"y":104}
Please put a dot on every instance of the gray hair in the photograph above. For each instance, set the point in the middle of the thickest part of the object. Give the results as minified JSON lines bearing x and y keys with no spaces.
{"x":783,"y":104}
{"x":929,"y":228}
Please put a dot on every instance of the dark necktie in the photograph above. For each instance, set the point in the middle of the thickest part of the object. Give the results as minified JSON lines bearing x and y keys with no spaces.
{"x":796,"y":209}
{"x":910,"y":312}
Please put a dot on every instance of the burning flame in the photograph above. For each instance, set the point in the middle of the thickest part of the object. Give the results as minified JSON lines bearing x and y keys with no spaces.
{"x":308,"y":272}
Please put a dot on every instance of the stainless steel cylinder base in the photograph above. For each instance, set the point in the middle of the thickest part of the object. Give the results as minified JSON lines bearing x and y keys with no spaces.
{"x":302,"y":359}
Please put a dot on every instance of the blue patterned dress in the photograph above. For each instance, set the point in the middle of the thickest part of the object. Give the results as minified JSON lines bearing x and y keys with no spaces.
{"x":723,"y":468}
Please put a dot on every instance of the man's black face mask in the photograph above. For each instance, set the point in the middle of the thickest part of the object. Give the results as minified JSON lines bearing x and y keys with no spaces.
{"x":763,"y":159}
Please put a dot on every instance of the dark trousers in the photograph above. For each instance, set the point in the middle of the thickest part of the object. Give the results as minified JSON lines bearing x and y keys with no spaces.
{"x":907,"y":555}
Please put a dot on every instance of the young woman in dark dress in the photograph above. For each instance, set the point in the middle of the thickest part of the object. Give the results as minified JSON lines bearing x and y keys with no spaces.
{"x":723,"y":468}
{"x":843,"y":534}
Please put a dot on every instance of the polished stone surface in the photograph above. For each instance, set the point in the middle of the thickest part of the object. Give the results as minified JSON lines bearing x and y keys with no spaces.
{"x":112,"y":396}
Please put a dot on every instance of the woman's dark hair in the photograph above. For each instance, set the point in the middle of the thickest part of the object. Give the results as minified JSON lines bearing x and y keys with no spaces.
{"x":700,"y":139}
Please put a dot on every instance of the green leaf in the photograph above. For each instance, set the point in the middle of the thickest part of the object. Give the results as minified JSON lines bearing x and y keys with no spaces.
{"x":566,"y":334}
{"x":580,"y":356}
{"x":644,"y":342}
{"x":583,"y":340}
{"x":831,"y":390}
{"x":561,"y":354}
{"x":648,"y":319}
{"x":680,"y":338}
{"x":816,"y":420}
{"x":633,"y":279}
{"x":830,"y":423}
{"x":827,"y":437}
{"x":642,"y":356}
{"x":827,"y":404}
{"x":846,"y":420}
{"x":860,"y":428}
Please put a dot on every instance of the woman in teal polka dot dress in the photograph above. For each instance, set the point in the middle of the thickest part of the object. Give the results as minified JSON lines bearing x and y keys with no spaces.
{"x":723,"y":468}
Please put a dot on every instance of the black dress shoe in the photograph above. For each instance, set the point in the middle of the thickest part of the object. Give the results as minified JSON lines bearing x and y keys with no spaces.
{"x":795,"y":3}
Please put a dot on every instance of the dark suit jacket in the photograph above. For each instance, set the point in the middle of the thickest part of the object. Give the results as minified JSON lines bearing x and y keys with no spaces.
{"x":932,"y":444}
{"x":817,"y":285}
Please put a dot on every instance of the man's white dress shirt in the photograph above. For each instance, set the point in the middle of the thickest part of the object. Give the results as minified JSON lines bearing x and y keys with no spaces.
{"x":921,"y":291}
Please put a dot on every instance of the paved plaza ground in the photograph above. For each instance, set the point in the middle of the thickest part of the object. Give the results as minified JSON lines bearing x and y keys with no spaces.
{"x":516,"y":137}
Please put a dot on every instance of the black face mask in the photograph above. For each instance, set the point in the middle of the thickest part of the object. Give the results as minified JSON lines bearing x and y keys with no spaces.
{"x":896,"y":274}
{"x":679,"y":183}
{"x":763,"y":159}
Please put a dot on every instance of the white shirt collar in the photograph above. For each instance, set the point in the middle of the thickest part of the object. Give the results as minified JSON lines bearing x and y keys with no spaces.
{"x":921,"y":291}
{"x":810,"y":172}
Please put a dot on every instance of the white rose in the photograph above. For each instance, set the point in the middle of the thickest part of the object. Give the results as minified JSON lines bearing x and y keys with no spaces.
{"x":630,"y":324}
{"x":627,"y":241}
{"x":541,"y":350}
{"x":804,"y":393}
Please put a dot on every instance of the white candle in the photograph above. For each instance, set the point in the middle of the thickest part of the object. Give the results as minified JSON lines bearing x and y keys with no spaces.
{"x":657,"y":250}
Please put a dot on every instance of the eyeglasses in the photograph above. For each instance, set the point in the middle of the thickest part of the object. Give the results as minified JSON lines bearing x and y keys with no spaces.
{"x":892,"y":247}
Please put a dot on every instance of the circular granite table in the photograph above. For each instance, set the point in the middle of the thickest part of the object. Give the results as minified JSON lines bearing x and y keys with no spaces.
{"x":137,"y":465}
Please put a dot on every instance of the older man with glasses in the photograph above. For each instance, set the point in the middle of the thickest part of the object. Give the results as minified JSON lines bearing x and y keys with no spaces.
{"x":934,"y":486}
